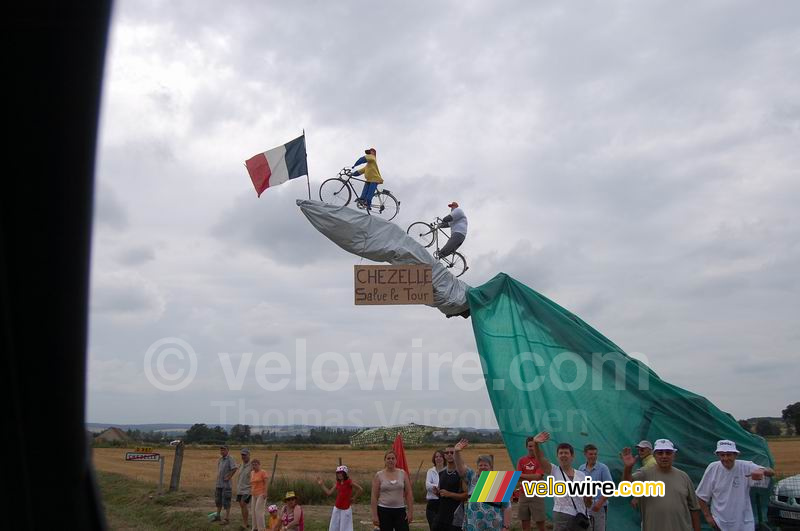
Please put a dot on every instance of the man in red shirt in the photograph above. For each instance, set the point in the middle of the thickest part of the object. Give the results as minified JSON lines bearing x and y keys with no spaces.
{"x":530,"y":508}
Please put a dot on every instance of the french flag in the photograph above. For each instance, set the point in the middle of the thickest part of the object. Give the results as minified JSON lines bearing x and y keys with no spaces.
{"x":278,"y":165}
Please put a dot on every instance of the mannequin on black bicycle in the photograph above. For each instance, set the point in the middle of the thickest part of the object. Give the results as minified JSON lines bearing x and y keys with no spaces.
{"x":457,"y":221}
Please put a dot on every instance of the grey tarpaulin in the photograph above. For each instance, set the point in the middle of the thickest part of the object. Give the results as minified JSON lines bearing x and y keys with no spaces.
{"x":382,"y":241}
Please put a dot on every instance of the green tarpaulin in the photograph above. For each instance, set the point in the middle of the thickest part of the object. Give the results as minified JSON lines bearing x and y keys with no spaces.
{"x":547,"y":370}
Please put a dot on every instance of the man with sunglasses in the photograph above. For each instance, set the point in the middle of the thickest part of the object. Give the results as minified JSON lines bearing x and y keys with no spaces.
{"x":451,"y":491}
{"x":724,"y":491}
{"x":678,"y":509}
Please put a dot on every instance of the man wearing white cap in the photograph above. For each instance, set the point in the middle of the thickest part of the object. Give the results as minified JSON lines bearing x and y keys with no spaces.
{"x":678,"y":509}
{"x":726,"y":487}
{"x":645,"y":451}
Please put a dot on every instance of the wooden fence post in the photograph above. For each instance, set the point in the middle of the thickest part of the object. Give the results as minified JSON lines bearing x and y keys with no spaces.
{"x":177,"y":464}
{"x":272,"y":476}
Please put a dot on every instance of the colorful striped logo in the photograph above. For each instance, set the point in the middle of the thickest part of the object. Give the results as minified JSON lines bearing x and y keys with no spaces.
{"x":495,"y":487}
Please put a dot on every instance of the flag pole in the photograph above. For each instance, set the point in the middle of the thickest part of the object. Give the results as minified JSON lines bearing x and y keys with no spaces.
{"x":308,"y":178}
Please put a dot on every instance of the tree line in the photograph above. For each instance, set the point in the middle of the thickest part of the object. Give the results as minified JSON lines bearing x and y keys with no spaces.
{"x":767,"y":428}
{"x":201,"y":433}
{"x":242,"y":433}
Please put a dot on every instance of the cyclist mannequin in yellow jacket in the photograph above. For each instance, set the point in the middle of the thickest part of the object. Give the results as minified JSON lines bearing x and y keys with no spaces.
{"x":371,"y":174}
{"x":457,"y":221}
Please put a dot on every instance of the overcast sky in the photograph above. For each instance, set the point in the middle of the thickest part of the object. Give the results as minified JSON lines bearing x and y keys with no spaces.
{"x":637,"y":162}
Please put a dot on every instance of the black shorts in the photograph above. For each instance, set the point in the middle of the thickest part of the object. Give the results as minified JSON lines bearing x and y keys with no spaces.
{"x":243,"y":497}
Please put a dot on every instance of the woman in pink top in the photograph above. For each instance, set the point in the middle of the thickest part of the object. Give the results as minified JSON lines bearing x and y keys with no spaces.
{"x":258,"y":489}
{"x":291,"y":514}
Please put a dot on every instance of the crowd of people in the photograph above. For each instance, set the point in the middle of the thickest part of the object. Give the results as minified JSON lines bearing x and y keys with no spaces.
{"x":722,"y":497}
{"x":251,"y":495}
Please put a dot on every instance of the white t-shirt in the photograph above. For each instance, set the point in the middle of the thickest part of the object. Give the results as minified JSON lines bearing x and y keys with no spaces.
{"x":431,"y":480}
{"x":729,"y":493}
{"x":459,"y":223}
{"x":563,"y":504}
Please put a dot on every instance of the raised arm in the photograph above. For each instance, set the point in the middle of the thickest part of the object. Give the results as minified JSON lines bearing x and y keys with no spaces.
{"x":538,"y":440}
{"x":628,"y":460}
{"x":325,"y":489}
{"x":459,"y":459}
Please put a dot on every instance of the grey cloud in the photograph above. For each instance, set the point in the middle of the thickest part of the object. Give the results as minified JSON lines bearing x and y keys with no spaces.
{"x":135,"y":256}
{"x":275,"y":227}
{"x":636,"y":163}
{"x":264,"y":340}
{"x":108,"y":210}
{"x":126,"y":295}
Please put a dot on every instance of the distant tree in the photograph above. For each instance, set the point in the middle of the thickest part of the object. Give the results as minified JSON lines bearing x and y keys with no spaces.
{"x":745,"y":424}
{"x":791,"y":416}
{"x":240,"y":433}
{"x":219,"y":435}
{"x":765,"y":428}
{"x":197,"y":433}
{"x":201,"y":433}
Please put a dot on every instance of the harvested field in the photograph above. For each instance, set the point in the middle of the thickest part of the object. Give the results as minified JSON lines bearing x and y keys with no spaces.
{"x":787,"y":455}
{"x":198,"y":463}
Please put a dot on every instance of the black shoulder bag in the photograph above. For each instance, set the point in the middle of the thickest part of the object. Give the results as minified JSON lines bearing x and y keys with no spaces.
{"x":580,"y":521}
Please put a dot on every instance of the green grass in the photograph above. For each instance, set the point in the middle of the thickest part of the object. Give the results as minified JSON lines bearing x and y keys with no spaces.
{"x":132,"y":504}
{"x":136,"y":505}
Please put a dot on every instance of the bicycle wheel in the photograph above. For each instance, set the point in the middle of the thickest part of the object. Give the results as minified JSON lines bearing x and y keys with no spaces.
{"x":384,"y":205}
{"x":421,"y":232}
{"x":335,"y":192}
{"x":456,"y":263}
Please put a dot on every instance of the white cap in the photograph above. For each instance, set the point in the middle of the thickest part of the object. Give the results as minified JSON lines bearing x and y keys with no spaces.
{"x":664,"y":444}
{"x":342,"y":468}
{"x":726,"y":446}
{"x":644,"y":444}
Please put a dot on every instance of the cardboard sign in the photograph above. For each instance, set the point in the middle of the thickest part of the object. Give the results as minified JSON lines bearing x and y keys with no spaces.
{"x":142,"y":456}
{"x":393,"y":284}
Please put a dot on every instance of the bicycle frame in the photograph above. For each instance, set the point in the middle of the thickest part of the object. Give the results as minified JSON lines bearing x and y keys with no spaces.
{"x":438,"y":225}
{"x":347,"y":177}
{"x":429,"y":236}
{"x":383,"y":204}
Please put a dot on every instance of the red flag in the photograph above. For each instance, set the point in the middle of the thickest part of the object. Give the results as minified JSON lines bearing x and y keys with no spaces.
{"x":400,"y":452}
